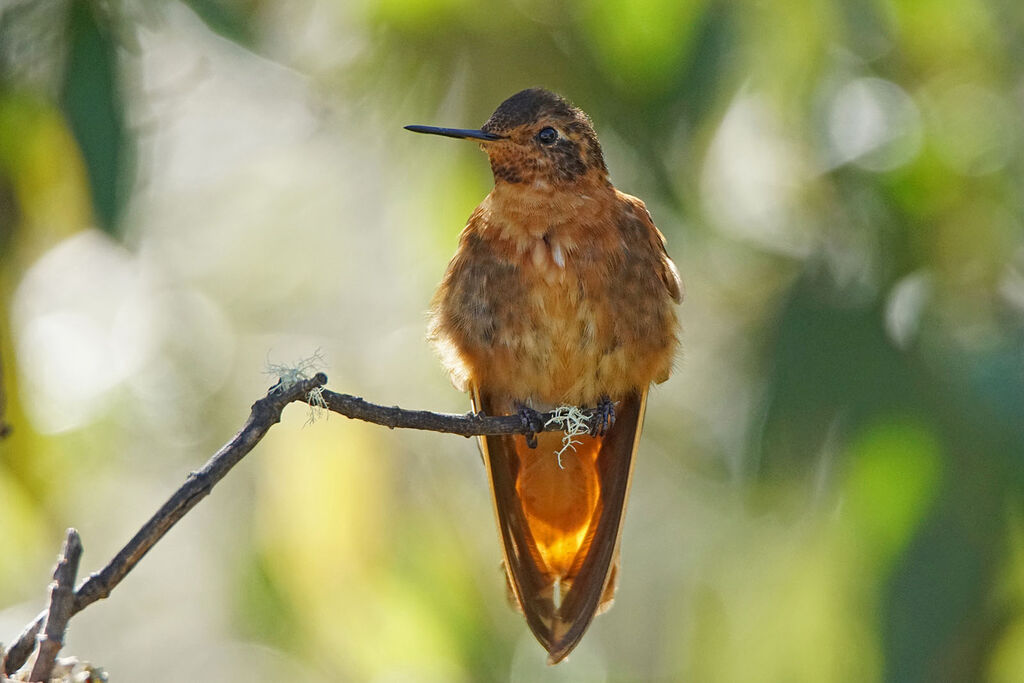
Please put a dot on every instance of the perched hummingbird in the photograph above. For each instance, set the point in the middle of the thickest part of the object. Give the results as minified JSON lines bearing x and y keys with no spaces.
{"x":560,"y":293}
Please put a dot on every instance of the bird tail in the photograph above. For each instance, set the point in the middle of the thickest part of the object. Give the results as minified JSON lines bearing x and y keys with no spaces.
{"x":560,"y":520}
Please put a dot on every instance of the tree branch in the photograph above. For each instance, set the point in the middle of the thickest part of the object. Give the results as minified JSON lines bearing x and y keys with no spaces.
{"x":470,"y":424}
{"x":265,"y":413}
{"x":62,"y":597}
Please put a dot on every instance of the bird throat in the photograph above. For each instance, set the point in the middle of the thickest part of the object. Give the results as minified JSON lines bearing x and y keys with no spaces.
{"x":542,"y":224}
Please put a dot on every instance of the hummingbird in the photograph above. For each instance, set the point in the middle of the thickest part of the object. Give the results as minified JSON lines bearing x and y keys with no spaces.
{"x":560,"y":293}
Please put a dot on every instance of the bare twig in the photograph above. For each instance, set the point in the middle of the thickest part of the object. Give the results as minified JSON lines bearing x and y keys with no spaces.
{"x":62,"y":598}
{"x":266,"y":412}
{"x":470,"y":424}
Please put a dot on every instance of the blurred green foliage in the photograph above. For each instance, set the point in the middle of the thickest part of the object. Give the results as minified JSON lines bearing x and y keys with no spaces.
{"x":837,"y":466}
{"x":94,"y":109}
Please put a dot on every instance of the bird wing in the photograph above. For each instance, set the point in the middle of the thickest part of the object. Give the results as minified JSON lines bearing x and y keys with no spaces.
{"x":666,"y":267}
{"x":560,"y":519}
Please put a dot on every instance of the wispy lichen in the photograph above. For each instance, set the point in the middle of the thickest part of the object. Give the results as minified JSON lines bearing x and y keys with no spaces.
{"x":289,"y":375}
{"x":573,"y":422}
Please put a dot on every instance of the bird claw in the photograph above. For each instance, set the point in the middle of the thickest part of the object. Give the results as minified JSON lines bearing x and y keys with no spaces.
{"x":533,"y":422}
{"x":604,"y":417}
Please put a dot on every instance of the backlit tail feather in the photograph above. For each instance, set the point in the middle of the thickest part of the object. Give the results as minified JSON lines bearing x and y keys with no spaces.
{"x":560,"y":523}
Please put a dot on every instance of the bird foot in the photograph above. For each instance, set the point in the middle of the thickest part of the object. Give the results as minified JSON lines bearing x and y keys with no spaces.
{"x":604,"y":418}
{"x":532,"y":421}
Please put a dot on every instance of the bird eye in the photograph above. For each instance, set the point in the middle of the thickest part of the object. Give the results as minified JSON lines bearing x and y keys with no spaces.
{"x":547,"y":135}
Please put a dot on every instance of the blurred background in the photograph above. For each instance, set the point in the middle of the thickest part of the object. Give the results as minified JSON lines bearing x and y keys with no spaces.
{"x":829,"y":488}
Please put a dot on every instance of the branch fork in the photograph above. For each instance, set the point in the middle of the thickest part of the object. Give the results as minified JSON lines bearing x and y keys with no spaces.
{"x":45,"y":634}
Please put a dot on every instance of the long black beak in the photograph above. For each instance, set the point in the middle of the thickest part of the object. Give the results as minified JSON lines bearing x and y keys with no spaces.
{"x":461,"y":133}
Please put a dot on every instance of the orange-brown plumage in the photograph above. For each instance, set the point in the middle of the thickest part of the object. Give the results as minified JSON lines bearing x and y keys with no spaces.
{"x":560,"y":293}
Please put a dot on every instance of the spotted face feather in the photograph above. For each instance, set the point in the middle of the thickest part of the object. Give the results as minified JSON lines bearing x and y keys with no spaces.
{"x":524,"y":157}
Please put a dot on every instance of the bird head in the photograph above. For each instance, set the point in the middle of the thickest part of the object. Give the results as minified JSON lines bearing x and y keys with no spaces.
{"x":535,"y":137}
